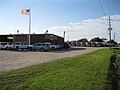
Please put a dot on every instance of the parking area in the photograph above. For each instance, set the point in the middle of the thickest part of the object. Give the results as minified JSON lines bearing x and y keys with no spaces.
{"x":11,"y":60}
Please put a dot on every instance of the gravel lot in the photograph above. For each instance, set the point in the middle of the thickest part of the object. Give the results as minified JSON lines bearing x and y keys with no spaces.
{"x":11,"y":60}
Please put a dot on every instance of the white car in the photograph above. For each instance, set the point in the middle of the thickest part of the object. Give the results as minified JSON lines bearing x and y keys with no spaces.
{"x":20,"y":45}
{"x":5,"y":45}
{"x":53,"y":46}
{"x":40,"y":46}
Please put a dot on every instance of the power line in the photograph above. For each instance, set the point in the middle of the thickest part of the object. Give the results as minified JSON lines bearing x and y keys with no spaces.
{"x":102,"y":8}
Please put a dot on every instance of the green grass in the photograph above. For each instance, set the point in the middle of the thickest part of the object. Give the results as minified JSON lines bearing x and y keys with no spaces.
{"x":85,"y":72}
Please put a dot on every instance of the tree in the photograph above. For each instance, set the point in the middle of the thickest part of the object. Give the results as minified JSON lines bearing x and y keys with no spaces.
{"x":104,"y":39}
{"x":83,"y":40}
{"x":96,"y":39}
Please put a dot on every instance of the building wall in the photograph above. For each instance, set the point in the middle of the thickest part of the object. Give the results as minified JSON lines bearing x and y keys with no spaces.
{"x":6,"y":38}
{"x":39,"y":38}
{"x":34,"y":38}
{"x":20,"y":38}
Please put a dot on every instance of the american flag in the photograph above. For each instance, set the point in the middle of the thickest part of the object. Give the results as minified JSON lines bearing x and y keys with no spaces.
{"x":25,"y":11}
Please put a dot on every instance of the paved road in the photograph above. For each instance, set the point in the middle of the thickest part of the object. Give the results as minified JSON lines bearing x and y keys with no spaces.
{"x":11,"y":60}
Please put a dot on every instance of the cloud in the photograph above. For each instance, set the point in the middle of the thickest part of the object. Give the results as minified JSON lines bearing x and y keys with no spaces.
{"x":115,"y":17}
{"x":88,"y":28}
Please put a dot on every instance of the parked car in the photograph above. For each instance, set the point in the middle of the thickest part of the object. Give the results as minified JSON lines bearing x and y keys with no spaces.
{"x":5,"y":45}
{"x":53,"y":46}
{"x":0,"y":45}
{"x":20,"y":45}
{"x":66,"y":45}
{"x":40,"y":46}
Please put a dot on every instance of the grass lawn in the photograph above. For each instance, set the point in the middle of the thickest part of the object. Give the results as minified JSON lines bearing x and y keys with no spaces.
{"x":85,"y":72}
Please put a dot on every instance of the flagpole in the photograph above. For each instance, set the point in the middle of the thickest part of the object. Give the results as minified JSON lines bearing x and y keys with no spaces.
{"x":29,"y":25}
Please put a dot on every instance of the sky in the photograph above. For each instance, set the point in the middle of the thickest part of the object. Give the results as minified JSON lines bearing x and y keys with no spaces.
{"x":78,"y":18}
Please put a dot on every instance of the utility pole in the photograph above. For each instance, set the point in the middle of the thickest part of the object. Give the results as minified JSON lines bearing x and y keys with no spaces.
{"x":64,"y":36}
{"x":110,"y":29}
{"x":114,"y":36}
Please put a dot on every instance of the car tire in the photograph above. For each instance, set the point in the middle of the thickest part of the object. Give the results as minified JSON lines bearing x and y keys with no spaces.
{"x":42,"y":49}
{"x":53,"y":49}
{"x":17,"y":48}
{"x":30,"y":48}
{"x":7,"y":48}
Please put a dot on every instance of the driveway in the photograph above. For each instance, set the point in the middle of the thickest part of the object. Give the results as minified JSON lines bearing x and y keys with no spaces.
{"x":11,"y":60}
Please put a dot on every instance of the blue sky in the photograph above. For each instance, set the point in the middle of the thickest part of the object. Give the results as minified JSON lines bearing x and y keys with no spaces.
{"x":79,"y":18}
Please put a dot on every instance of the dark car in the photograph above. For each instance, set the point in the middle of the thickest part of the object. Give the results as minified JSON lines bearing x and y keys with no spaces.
{"x":66,"y":45}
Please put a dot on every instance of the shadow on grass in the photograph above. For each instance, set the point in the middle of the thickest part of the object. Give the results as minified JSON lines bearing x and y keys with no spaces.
{"x":112,"y":75}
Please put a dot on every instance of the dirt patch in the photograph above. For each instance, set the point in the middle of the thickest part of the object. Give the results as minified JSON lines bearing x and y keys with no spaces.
{"x":11,"y":60}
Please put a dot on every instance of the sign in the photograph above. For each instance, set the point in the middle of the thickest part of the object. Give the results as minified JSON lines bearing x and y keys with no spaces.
{"x":51,"y":37}
{"x":9,"y":37}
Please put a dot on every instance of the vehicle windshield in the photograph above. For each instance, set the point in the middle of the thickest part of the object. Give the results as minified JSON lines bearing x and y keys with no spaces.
{"x":4,"y":43}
